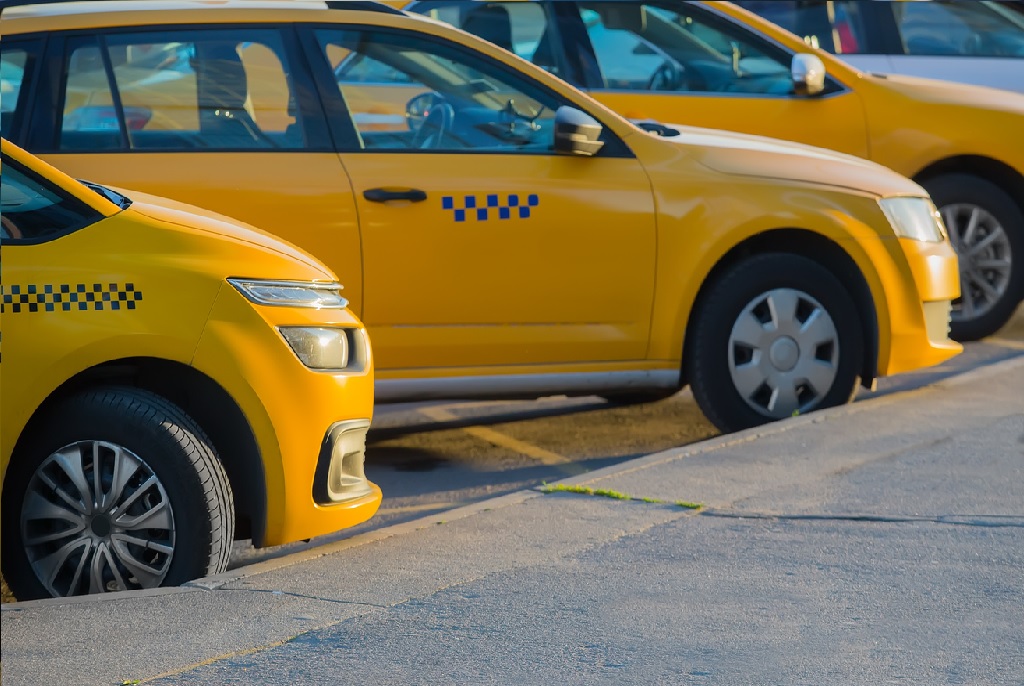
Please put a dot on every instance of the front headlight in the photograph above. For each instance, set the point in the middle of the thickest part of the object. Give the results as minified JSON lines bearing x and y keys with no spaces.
{"x":318,"y":347}
{"x":914,"y":218}
{"x":326,"y":295}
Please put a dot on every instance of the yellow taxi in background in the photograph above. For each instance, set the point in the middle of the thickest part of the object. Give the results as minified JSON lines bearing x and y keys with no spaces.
{"x":171,"y":381}
{"x":504,"y":236}
{"x":714,"y":64}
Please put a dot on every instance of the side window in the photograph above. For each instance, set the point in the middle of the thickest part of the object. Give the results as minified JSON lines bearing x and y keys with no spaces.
{"x":835,"y":26}
{"x":966,"y":28}
{"x":33,"y":210}
{"x":212,"y":90}
{"x":15,"y":68}
{"x":655,"y":47}
{"x":439,"y":97}
{"x":524,"y":28}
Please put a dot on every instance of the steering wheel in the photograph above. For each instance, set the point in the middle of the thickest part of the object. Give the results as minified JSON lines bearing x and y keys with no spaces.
{"x":433,"y":116}
{"x":667,"y":77}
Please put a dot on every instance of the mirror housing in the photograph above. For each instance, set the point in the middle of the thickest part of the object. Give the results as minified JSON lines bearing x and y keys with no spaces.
{"x":808,"y":73}
{"x":576,"y":132}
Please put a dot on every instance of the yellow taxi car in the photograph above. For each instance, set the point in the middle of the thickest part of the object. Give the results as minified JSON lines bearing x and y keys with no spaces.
{"x":507,"y":236}
{"x":714,"y":64}
{"x":171,"y":381}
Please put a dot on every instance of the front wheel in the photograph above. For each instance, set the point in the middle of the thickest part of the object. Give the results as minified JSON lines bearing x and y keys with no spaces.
{"x":776,"y":335}
{"x":987,"y":231}
{"x":115,"y":489}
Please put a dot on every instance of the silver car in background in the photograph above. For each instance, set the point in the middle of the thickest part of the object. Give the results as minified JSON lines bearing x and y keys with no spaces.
{"x":979,"y":42}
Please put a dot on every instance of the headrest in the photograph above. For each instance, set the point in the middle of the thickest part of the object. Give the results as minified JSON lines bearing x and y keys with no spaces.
{"x":220,"y":76}
{"x":492,"y":23}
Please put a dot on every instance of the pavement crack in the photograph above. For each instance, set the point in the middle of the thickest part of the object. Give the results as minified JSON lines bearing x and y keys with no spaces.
{"x":616,"y":495}
{"x":305,"y":596}
{"x":981,"y":521}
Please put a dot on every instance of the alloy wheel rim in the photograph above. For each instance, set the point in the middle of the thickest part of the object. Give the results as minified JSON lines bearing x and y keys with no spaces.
{"x":95,"y":519}
{"x":783,"y":353}
{"x":983,"y":250}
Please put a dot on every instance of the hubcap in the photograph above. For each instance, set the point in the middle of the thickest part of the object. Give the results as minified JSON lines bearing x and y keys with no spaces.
{"x":983,"y":250}
{"x":96,"y":518}
{"x":783,"y":353}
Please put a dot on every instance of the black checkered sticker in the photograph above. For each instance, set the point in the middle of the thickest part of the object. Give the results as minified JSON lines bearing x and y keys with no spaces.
{"x":69,"y":297}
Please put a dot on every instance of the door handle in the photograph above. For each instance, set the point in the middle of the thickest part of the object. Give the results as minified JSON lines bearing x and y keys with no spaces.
{"x":384,"y":195}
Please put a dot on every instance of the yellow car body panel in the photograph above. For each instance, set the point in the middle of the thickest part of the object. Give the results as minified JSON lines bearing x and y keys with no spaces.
{"x":604,"y":275}
{"x":152,"y":278}
{"x":883,"y":261}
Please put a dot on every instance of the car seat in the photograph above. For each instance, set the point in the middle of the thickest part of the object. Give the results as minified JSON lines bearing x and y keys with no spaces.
{"x":221,"y":89}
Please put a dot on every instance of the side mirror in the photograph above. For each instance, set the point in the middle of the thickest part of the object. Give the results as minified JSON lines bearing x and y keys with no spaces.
{"x":576,"y":132}
{"x":808,"y":74}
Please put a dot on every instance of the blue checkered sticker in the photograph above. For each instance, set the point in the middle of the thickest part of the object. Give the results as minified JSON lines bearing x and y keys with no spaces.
{"x":490,"y":207}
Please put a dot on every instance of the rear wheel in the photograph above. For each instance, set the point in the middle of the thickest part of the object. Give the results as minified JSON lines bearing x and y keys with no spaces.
{"x":987,"y":231}
{"x":115,"y":489}
{"x":776,"y":335}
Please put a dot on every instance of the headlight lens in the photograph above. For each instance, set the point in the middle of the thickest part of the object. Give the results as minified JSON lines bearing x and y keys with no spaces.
{"x":320,"y":296}
{"x":914,"y":218}
{"x":318,"y":347}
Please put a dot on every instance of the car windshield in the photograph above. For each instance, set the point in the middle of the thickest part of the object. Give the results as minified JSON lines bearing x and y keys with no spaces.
{"x":32,"y":209}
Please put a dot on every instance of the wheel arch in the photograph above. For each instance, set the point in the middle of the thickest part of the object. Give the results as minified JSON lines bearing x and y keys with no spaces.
{"x":203,"y":399}
{"x":1008,"y":179}
{"x":813,"y":246}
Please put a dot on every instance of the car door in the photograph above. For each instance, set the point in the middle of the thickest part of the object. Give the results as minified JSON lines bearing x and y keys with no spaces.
{"x":482,"y":248}
{"x":220,"y":118}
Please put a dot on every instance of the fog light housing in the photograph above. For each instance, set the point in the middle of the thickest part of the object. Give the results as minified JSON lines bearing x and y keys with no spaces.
{"x":339,"y":472}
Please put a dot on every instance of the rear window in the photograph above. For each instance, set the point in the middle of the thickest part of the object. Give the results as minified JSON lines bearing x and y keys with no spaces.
{"x":207,"y":90}
{"x":33,"y":210}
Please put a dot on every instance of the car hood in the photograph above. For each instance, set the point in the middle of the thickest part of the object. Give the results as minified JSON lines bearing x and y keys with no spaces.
{"x":223,"y":228}
{"x":935,"y":92}
{"x":770,"y":158}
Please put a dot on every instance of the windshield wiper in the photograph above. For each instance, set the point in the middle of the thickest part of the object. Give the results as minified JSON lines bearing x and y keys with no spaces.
{"x":122,"y":201}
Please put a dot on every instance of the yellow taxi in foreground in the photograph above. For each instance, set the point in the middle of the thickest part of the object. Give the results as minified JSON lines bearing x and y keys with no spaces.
{"x":506,"y":236}
{"x":171,"y":380}
{"x":714,"y":64}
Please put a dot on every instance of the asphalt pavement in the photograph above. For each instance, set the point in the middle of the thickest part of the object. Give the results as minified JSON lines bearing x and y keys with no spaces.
{"x":881,"y":542}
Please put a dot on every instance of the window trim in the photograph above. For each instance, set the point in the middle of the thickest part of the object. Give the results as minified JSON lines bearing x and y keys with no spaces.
{"x":346,"y":133}
{"x":312,"y":116}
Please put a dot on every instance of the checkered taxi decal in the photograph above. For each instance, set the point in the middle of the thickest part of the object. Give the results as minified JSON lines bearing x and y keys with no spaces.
{"x":491,"y":206}
{"x":68,"y":297}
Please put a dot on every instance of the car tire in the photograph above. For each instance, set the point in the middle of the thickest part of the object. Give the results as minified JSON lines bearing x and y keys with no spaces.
{"x":991,"y":254}
{"x":114,"y":489}
{"x":773,"y":336}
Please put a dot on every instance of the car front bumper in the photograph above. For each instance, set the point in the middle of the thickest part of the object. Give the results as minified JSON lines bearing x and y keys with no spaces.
{"x":310,"y":426}
{"x":914,"y":326}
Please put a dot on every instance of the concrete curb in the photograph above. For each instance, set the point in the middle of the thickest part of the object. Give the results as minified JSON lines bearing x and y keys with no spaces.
{"x":710,"y":445}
